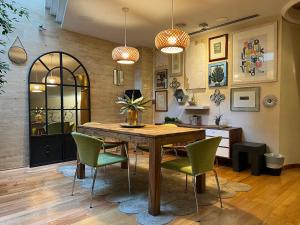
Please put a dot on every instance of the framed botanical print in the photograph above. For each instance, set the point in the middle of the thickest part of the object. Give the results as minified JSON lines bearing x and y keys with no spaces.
{"x":245,"y":99}
{"x":255,"y":55}
{"x":218,"y":48}
{"x":161,"y":79}
{"x":217,"y":74}
{"x":176,"y":64}
{"x":161,"y":101}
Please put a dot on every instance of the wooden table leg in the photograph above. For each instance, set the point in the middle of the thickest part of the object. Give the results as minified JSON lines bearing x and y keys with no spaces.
{"x":124,"y":165}
{"x":154,"y":178}
{"x":201,"y":183}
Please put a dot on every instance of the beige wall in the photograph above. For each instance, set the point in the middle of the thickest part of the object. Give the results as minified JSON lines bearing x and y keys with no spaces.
{"x":95,"y":55}
{"x":290,"y":93}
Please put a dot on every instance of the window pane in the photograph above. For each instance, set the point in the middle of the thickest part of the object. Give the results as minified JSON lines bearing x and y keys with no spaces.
{"x":51,"y":60}
{"x":69,"y":97}
{"x":83,"y":116}
{"x":69,"y":121}
{"x":69,"y":62}
{"x":82,"y":98}
{"x":37,"y":97}
{"x":38,"y":72}
{"x":53,"y":97}
{"x":81,"y":77}
{"x":38,"y":122}
{"x":53,"y":78}
{"x":68,"y":78}
{"x":54,"y":122}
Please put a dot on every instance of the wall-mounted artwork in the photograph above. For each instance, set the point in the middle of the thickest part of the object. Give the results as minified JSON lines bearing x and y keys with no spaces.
{"x":217,"y":74}
{"x":118,"y":76}
{"x":255,"y":55}
{"x":245,"y":99}
{"x":161,"y":101}
{"x":218,"y":48}
{"x":161,"y":79}
{"x":176,"y":62}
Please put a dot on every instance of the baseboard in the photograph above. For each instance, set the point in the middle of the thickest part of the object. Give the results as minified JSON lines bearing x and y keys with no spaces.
{"x":291,"y":166}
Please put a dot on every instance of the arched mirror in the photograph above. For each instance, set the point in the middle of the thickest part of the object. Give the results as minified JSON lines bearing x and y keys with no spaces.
{"x":59,"y":100}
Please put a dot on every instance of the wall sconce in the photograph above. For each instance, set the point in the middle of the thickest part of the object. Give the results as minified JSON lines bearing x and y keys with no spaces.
{"x":118,"y":77}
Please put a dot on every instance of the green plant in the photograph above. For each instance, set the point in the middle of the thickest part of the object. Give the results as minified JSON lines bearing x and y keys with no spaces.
{"x":217,"y":75}
{"x":9,"y":14}
{"x":138,"y":104}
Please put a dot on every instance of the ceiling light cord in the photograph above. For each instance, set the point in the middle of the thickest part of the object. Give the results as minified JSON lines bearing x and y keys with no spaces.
{"x":125,"y":33}
{"x":172,"y":14}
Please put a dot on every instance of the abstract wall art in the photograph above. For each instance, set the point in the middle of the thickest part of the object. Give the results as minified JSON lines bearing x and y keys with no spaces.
{"x":217,"y":74}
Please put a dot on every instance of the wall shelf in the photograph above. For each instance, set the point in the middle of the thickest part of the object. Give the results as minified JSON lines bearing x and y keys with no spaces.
{"x":196,"y":107}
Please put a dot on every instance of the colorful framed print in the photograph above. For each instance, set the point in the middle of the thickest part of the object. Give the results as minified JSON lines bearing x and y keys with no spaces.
{"x":217,"y":74}
{"x":255,"y":55}
{"x":161,"y":101}
{"x":218,"y":48}
{"x":245,"y":99}
{"x":176,"y":62}
{"x":161,"y":79}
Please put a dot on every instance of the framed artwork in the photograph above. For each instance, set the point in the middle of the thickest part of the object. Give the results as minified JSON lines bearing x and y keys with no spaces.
{"x":161,"y":101}
{"x":217,"y":74}
{"x":176,"y":62}
{"x":218,"y":48}
{"x":255,"y":55}
{"x":245,"y":99}
{"x":118,"y":77}
{"x":161,"y":79}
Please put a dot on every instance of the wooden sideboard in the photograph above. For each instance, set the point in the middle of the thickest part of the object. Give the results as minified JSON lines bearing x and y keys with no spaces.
{"x":230,"y":135}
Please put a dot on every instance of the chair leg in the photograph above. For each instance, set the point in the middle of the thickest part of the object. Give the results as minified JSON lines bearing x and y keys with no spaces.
{"x":135,"y":163}
{"x":74,"y":181}
{"x":92,"y":192}
{"x":195,"y":192}
{"x":186,"y":183}
{"x":128,"y":169}
{"x":219,"y":190}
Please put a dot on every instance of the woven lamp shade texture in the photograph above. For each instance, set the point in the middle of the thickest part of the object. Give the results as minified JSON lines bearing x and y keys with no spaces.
{"x":172,"y":40}
{"x":125,"y":55}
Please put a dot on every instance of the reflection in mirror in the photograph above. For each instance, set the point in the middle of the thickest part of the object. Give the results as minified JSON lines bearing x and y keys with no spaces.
{"x":54,"y":122}
{"x":82,"y":98}
{"x":38,"y":72}
{"x":83,"y":116}
{"x":68,"y":78}
{"x":70,"y":121}
{"x":37,"y":98}
{"x":38,"y":121}
{"x":69,"y":97}
{"x":53,"y":97}
{"x":81,"y":77}
{"x":69,"y":62}
{"x":53,"y":78}
{"x":51,"y":60}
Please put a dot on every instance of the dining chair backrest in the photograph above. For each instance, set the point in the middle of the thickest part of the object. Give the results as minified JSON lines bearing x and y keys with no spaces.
{"x":202,"y":154}
{"x":88,"y":148}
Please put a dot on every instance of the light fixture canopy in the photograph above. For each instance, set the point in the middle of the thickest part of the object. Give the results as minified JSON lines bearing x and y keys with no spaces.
{"x":172,"y":41}
{"x":125,"y":54}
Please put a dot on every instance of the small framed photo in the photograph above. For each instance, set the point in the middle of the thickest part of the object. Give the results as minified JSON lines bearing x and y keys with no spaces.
{"x":161,"y":101}
{"x":245,"y":99}
{"x":176,"y":62}
{"x":118,"y":77}
{"x":218,"y":48}
{"x":161,"y":79}
{"x":217,"y":74}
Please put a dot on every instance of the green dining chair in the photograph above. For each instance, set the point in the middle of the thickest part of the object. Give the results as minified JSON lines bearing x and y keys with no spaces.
{"x":201,"y":156}
{"x":145,"y":148}
{"x":89,"y":153}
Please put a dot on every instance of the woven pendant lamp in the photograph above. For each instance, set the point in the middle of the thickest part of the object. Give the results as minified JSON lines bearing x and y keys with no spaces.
{"x":125,"y":54}
{"x":172,"y":41}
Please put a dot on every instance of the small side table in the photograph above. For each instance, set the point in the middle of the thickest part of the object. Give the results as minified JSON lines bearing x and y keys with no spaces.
{"x":246,"y":152}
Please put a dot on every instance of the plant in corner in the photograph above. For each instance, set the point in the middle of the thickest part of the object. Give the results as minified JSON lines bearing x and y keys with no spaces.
{"x":132,"y":107}
{"x":8,"y":16}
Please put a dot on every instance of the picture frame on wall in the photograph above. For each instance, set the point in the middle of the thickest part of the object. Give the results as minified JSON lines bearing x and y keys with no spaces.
{"x":218,"y":48}
{"x":176,"y":65}
{"x":255,"y":55}
{"x":118,"y":77}
{"x":161,"y":79}
{"x":245,"y":99}
{"x":217,"y":74}
{"x":161,"y":101}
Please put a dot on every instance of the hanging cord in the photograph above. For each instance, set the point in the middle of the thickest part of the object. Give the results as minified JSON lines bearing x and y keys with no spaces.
{"x":172,"y":14}
{"x":125,"y":25}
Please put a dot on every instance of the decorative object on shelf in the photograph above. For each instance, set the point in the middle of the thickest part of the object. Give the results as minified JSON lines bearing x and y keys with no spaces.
{"x":255,"y":55}
{"x":161,"y":79}
{"x":270,"y":101}
{"x":218,"y":48}
{"x":180,"y":96}
{"x":17,"y":53}
{"x":118,"y":76}
{"x":218,"y":119}
{"x":175,"y":84}
{"x":125,"y":54}
{"x":245,"y":99}
{"x":176,"y":62}
{"x":172,"y":41}
{"x":217,"y":97}
{"x":195,"y":120}
{"x":172,"y":120}
{"x":217,"y":74}
{"x":132,"y":107}
{"x":192,"y":102}
{"x":161,"y":101}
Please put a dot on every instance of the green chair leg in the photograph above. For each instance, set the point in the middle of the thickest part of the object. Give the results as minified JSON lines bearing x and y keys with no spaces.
{"x":74,"y":181}
{"x":186,"y":183}
{"x":93,"y":185}
{"x":219,"y":190}
{"x":128,"y":169}
{"x":195,"y":192}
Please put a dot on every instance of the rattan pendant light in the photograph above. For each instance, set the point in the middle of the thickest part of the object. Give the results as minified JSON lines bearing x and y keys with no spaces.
{"x":172,"y":41}
{"x":125,"y":54}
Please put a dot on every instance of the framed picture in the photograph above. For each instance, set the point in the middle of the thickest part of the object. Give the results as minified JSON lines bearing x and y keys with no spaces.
{"x":218,"y":48}
{"x":176,"y":62}
{"x":161,"y":101}
{"x":217,"y":74}
{"x":118,"y":77}
{"x":245,"y":99}
{"x":161,"y":79}
{"x":255,"y":55}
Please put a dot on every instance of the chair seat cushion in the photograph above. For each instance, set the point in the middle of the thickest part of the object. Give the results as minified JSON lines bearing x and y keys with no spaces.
{"x":181,"y":165}
{"x":107,"y":158}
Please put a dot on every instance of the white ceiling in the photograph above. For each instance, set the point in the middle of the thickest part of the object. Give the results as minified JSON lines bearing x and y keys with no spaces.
{"x":104,"y":18}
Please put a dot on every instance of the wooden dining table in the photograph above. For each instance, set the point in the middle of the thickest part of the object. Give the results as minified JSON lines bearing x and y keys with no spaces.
{"x":153,"y":135}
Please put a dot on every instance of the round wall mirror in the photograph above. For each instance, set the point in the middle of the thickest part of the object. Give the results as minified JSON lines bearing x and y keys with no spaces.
{"x":291,"y":11}
{"x":17,"y":55}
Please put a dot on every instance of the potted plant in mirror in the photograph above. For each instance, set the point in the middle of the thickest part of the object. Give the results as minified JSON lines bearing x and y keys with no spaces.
{"x":132,"y":107}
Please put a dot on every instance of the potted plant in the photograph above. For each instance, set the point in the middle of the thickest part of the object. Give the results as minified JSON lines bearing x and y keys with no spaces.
{"x":132,"y":107}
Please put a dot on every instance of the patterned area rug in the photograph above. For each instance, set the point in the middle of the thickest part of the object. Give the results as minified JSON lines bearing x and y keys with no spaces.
{"x":112,"y":183}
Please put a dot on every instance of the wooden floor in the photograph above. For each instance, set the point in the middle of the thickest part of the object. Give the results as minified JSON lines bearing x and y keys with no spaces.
{"x":42,"y":196}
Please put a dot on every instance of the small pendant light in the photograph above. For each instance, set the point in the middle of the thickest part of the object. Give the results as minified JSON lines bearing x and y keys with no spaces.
{"x":52,"y":81}
{"x":125,"y":54}
{"x":172,"y":41}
